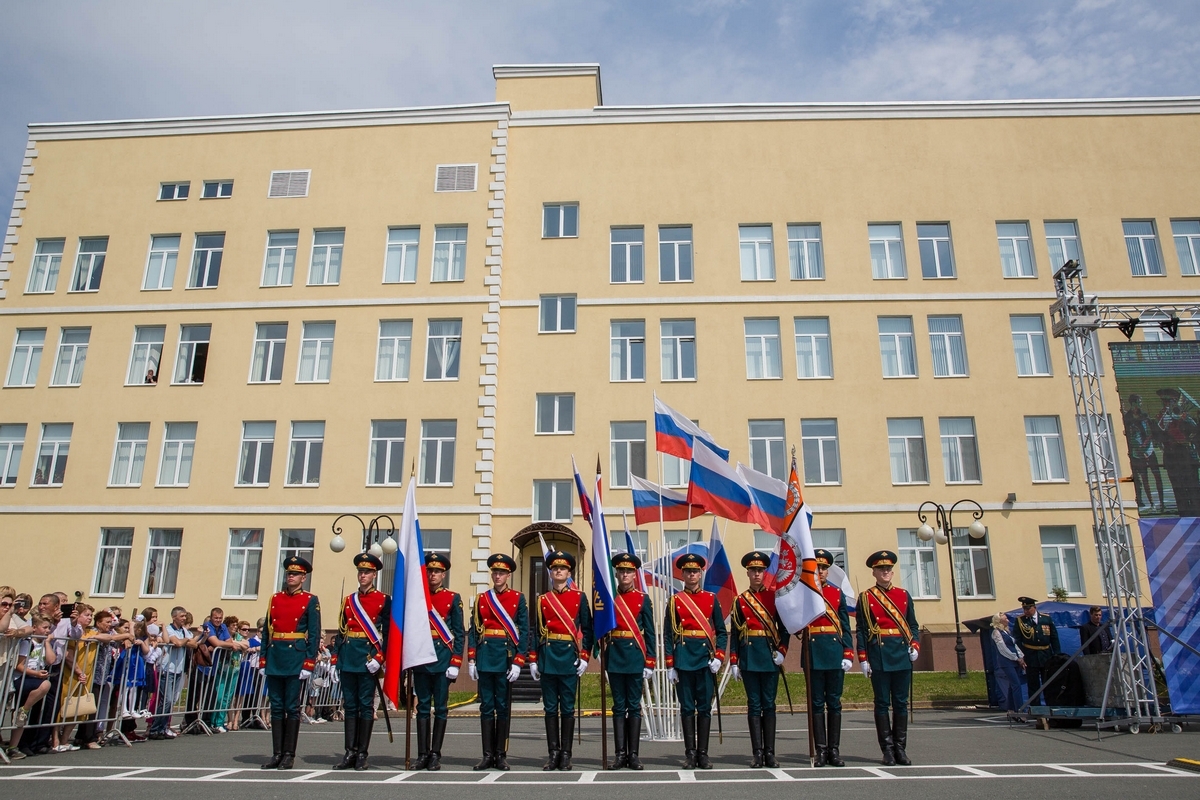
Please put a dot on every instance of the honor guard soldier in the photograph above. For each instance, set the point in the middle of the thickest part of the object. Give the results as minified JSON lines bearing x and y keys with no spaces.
{"x":757,"y":647}
{"x":496,"y":643}
{"x":1038,"y":637}
{"x":887,"y":646}
{"x":362,"y":640}
{"x":289,"y":651}
{"x":694,"y":644}
{"x":629,"y":659}
{"x":831,"y":651}
{"x":432,"y":681}
{"x":562,"y":643}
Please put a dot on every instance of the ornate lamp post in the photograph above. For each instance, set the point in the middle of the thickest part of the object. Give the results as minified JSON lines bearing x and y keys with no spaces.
{"x":370,"y":535}
{"x":942,"y":531}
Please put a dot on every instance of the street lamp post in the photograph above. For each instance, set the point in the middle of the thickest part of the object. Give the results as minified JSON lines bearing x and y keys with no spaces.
{"x":943,"y":533}
{"x":370,"y":535}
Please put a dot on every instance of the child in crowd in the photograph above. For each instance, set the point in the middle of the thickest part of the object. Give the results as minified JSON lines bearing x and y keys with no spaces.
{"x":31,"y":679}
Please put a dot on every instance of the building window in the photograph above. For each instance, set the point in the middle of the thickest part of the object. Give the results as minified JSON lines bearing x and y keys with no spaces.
{"x":296,"y":542}
{"x":393,"y":353}
{"x":243,"y":562}
{"x":628,"y":444}
{"x":289,"y":183}
{"x":626,"y":255}
{"x":678,"y":349}
{"x":443,"y":346}
{"x":918,"y":565}
{"x":325,"y":268}
{"x":814,"y":349}
{"x":960,"y":449}
{"x":887,"y":252}
{"x":304,"y":454}
{"x":1153,"y":332}
{"x":949,"y":347}
{"x":160,"y":264}
{"x":819,"y":442}
{"x":1029,"y":345}
{"x":179,"y":445}
{"x":279,"y":265}
{"x":26,"y":357}
{"x":455,"y":178}
{"x":767,"y":447}
{"x":53,"y":450}
{"x":560,"y":220}
{"x":386,"y":464}
{"x":112,"y":561}
{"x":555,"y":413}
{"x":129,"y":454}
{"x":804,"y":252}
{"x":206,"y":261}
{"x":400,"y":262}
{"x":937,"y":258}
{"x":162,"y":562}
{"x":1047,"y":459}
{"x":1141,"y":242}
{"x":677,"y":539}
{"x":437,"y":451}
{"x":972,"y":565}
{"x":12,"y":445}
{"x":906,"y":450}
{"x":1187,"y":244}
{"x":764,"y":359}
{"x":47,"y":261}
{"x":557,"y":313}
{"x":627,"y":350}
{"x":146,"y":355}
{"x":217,"y":189}
{"x":833,"y":540}
{"x":1016,"y":250}
{"x":1062,"y":242}
{"x":896,"y":347}
{"x":552,"y":501}
{"x":192,"y":359}
{"x":676,"y":472}
{"x":258,"y":448}
{"x":675,"y":253}
{"x":449,"y":253}
{"x":270,"y":344}
{"x":1060,"y":559}
{"x":757,"y":252}
{"x":72,"y":355}
{"x":89,"y":264}
{"x":316,"y":352}
{"x":174,"y":191}
{"x":436,"y":541}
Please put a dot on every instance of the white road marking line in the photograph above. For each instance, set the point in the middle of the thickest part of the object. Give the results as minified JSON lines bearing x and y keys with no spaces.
{"x":588,"y":776}
{"x":491,"y":777}
{"x":43,"y":772}
{"x":978,"y":772}
{"x":780,"y":775}
{"x":399,"y":777}
{"x":1169,"y":770}
{"x":1068,"y":770}
{"x":877,"y":772}
{"x":215,"y":775}
{"x":316,"y":773}
{"x":686,"y":776}
{"x":128,"y":773}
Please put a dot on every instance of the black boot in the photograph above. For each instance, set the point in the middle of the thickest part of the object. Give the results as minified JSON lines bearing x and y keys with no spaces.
{"x":883,"y":731}
{"x":487,"y":732}
{"x":820,"y":743}
{"x":435,"y":746}
{"x":834,"y":719}
{"x":900,"y":740}
{"x":622,"y":748}
{"x":276,"y":744}
{"x":756,"y":744}
{"x":768,"y":723}
{"x":350,"y":732}
{"x":703,"y":726}
{"x":567,"y":741}
{"x":552,"y":746}
{"x":633,"y":740}
{"x":422,"y":761}
{"x":689,"y":741}
{"x":502,"y":726}
{"x":364,"y":742}
{"x":291,"y":734}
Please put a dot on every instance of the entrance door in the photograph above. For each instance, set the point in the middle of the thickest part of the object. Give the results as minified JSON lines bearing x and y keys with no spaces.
{"x":539,"y":581}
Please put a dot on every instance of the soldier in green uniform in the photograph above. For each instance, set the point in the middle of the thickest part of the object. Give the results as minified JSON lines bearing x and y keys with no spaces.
{"x":757,"y":648}
{"x":562,"y":636}
{"x":1038,"y":637}
{"x":359,"y":649}
{"x":432,"y":681}
{"x":291,"y":639}
{"x":496,"y":645}
{"x":831,"y":651}
{"x":629,"y":659}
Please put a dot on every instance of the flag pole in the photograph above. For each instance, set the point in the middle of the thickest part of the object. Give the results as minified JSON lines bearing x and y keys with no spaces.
{"x":407,"y":683}
{"x":604,"y":706}
{"x":806,"y":643}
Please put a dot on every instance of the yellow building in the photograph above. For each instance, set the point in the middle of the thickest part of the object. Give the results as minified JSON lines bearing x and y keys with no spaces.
{"x":478,"y":292}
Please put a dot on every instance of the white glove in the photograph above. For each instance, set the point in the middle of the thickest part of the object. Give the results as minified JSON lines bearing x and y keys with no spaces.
{"x":372,"y":666}
{"x":778,"y":658}
{"x":913,"y":654}
{"x":535,"y":672}
{"x":514,"y":672}
{"x":647,"y":673}
{"x":305,"y":674}
{"x":672,"y":675}
{"x":474,"y":673}
{"x":714,"y":666}
{"x":735,"y":672}
{"x":452,"y":674}
{"x":262,"y":671}
{"x":580,"y":668}
{"x":866,"y":669}
{"x":847,"y":665}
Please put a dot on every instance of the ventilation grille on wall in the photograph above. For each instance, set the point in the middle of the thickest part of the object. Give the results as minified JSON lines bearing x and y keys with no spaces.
{"x":455,"y":178}
{"x":289,"y":184}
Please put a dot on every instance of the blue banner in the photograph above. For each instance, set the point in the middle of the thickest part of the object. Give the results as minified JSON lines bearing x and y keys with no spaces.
{"x":1172,"y":547}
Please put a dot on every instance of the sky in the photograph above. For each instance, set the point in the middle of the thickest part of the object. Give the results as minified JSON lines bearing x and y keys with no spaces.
{"x":63,"y":60}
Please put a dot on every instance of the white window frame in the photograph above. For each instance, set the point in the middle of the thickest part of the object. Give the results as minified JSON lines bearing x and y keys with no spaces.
{"x":304,"y":551}
{"x":76,"y":352}
{"x":393,"y":367}
{"x":560,"y":497}
{"x":757,"y":255}
{"x":676,"y":472}
{"x":806,"y":257}
{"x":1030,"y":340}
{"x":393,"y":462}
{"x":143,"y":356}
{"x":316,"y":348}
{"x":764,"y":354}
{"x":627,"y":249}
{"x":255,"y":448}
{"x":921,"y":558}
{"x":178,"y":190}
{"x":887,"y":251}
{"x":223,"y":189}
{"x":670,"y":252}
{"x":268,"y":352}
{"x":970,"y":557}
{"x":944,"y":341}
{"x":403,"y":254}
{"x":185,"y":356}
{"x":245,"y":551}
{"x":331,"y":274}
{"x":903,"y":348}
{"x":177,"y":456}
{"x":164,"y":260}
{"x":131,"y":445}
{"x":825,"y":539}
{"x":1065,"y":244}
{"x":676,"y":352}
{"x":443,"y":350}
{"x":435,"y":446}
{"x":558,"y":210}
{"x":105,"y":551}
{"x":12,"y":447}
{"x":954,"y":456}
{"x":206,"y":256}
{"x":1038,"y":445}
{"x":626,"y":348}
{"x":811,"y":349}
{"x":826,"y":450}
{"x":768,"y":447}
{"x":1060,"y":555}
{"x":32,"y":359}
{"x":1187,"y":246}
{"x":906,"y":446}
{"x":171,"y":556}
{"x":1147,"y":249}
{"x":45,"y":266}
{"x":620,"y":478}
{"x":560,"y":302}
{"x":556,"y":401}
{"x":280,"y":257}
{"x":58,"y":453}
{"x":454,"y":251}
{"x":943,"y":258}
{"x":1018,"y":262}
{"x":89,"y":266}
{"x":313,"y":446}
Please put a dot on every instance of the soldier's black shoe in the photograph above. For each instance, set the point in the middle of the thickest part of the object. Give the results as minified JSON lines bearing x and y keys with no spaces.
{"x":501,"y":761}
{"x":883,"y":732}
{"x":566,"y":741}
{"x":487,"y":732}
{"x":276,"y":744}
{"x":621,"y":760}
{"x":834,"y":740}
{"x":552,"y":743}
{"x":502,"y":727}
{"x":703,"y":725}
{"x":435,"y":746}
{"x":900,"y":740}
{"x":689,"y":741}
{"x":768,"y":726}
{"x":756,"y":741}
{"x":820,"y":744}
{"x":422,"y":761}
{"x":633,"y":741}
{"x":364,"y":742}
{"x":291,"y":733}
{"x":350,"y":732}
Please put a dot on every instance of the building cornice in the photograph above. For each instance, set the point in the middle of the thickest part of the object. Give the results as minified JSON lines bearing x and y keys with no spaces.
{"x":244,"y":305}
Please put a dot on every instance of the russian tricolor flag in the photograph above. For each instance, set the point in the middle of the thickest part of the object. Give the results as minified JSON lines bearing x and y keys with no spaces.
{"x":409,"y":641}
{"x":717,"y":487}
{"x":652,"y":502}
{"x":674,"y":433}
{"x":769,"y":497}
{"x":718,"y":577}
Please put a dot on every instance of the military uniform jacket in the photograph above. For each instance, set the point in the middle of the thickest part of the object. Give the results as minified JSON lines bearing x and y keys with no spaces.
{"x":489,"y":643}
{"x":624,"y":655}
{"x":562,"y":633}
{"x":1038,"y":637}
{"x":293,"y":634}
{"x":448,"y":605}
{"x":829,"y":635}
{"x":887,"y":627}
{"x":353,"y":648}
{"x":690,"y":642}
{"x":757,"y":632}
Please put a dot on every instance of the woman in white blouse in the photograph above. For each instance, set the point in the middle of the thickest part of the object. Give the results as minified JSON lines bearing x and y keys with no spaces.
{"x":1010,"y":664}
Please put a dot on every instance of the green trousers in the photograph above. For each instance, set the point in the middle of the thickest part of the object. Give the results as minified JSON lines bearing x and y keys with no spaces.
{"x":827,"y":687}
{"x":433,"y":689}
{"x":358,"y":694}
{"x":761,"y":688}
{"x":626,"y":694}
{"x":695,"y":692}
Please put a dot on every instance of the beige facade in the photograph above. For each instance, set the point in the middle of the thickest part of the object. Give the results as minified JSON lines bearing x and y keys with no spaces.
{"x":719,"y":175}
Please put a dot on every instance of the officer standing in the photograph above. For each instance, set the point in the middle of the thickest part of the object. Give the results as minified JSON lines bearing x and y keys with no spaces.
{"x":432,"y":681}
{"x":757,"y":648}
{"x":362,"y":640}
{"x":562,"y":644}
{"x":496,"y":643}
{"x":629,"y":659}
{"x":887,"y":646}
{"x":831,"y":649}
{"x":694,"y":645}
{"x":1038,"y":637}
{"x":289,"y":650}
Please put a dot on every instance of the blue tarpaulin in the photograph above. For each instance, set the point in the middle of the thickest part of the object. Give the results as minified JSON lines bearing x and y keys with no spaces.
{"x":1172,"y":547}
